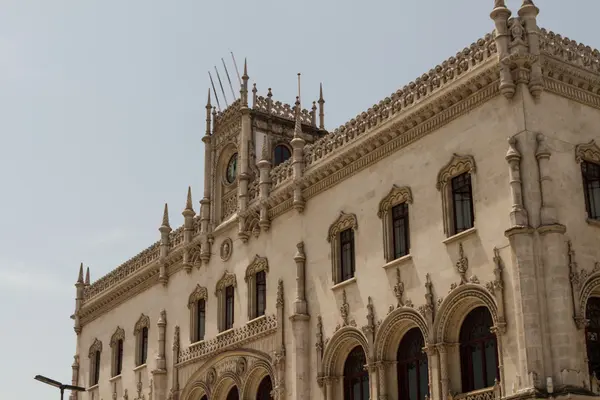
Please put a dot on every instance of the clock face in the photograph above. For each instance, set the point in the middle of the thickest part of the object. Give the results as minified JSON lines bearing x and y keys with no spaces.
{"x":231,"y":172}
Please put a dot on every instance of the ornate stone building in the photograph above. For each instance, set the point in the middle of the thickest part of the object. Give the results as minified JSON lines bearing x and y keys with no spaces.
{"x":444,"y":244}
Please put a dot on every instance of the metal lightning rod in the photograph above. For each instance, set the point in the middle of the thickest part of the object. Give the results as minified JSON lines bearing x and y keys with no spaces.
{"x":229,"y":79}
{"x":214,"y":91}
{"x":236,"y":69}
{"x":221,"y":84}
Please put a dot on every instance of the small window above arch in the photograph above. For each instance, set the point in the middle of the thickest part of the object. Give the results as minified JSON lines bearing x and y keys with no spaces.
{"x":280,"y":154}
{"x":231,"y":171}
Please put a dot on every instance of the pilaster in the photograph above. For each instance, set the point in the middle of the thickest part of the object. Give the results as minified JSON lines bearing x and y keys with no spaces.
{"x":159,"y":375}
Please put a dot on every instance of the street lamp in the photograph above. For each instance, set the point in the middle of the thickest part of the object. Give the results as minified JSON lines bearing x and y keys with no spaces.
{"x":59,"y":385}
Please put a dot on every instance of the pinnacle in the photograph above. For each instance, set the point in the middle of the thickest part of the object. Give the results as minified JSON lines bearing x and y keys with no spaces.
{"x":188,"y":202}
{"x":87,"y":276}
{"x":245,"y":69}
{"x":80,"y":276}
{"x":320,"y":92}
{"x":208,"y":105}
{"x":165,"y":220}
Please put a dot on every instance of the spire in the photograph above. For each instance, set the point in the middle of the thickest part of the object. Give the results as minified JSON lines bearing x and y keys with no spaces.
{"x":188,"y":202}
{"x":165,"y":219}
{"x":80,"y":276}
{"x":244,"y":89}
{"x":87,"y":276}
{"x":321,"y":108}
{"x":298,"y":126}
{"x":245,"y":76}
{"x":208,"y":105}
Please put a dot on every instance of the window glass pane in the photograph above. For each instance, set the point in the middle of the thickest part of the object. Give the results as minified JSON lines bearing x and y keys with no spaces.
{"x":477,"y":363}
{"x":413,"y":389}
{"x":592,"y":313}
{"x":282,"y":153}
{"x":229,"y":307}
{"x":200,"y":307}
{"x":97,"y":368}
{"x":400,"y":231}
{"x":261,"y":294}
{"x":347,"y":254}
{"x":462,"y":202}
{"x":490,"y":362}
{"x":423,"y":379}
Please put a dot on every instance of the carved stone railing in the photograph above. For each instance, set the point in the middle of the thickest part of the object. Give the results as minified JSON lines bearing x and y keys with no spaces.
{"x":253,"y":191}
{"x":281,"y":173}
{"x":229,"y":204}
{"x":410,"y":95}
{"x":176,"y":237}
{"x":281,"y":110}
{"x":491,"y":393}
{"x":569,"y":51}
{"x":124,"y":270}
{"x":229,"y":340}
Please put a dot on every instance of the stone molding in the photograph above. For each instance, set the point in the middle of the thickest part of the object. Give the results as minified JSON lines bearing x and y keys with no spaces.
{"x":228,"y":279}
{"x":118,"y":335}
{"x":96,"y":346}
{"x":589,"y":152}
{"x":199,"y":293}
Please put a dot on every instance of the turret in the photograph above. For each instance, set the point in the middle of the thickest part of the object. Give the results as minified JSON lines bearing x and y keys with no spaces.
{"x":528,"y":13}
{"x":298,"y":157}
{"x":500,"y":15}
{"x":321,"y":108}
{"x":205,"y":203}
{"x":165,"y":230}
{"x":264,"y":185}
{"x":243,"y":148}
{"x":79,"y":288}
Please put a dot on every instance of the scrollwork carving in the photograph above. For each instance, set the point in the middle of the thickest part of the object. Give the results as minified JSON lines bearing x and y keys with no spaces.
{"x":199,"y":293}
{"x":587,"y":152}
{"x":228,"y":279}
{"x":118,"y":335}
{"x":396,"y":196}
{"x":457,"y":165}
{"x":344,"y":221}
{"x":96,"y":346}
{"x":142,"y":322}
{"x":257,"y":265}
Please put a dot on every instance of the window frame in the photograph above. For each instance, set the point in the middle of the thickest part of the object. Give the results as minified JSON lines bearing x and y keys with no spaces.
{"x":95,"y":356}
{"x":227,"y":280}
{"x":398,"y":195}
{"x":402,"y":364}
{"x":258,"y":265}
{"x":141,"y":332}
{"x":588,"y":153}
{"x":462,"y":192}
{"x":199,"y":294}
{"x":590,"y":195}
{"x":279,"y":146}
{"x":458,"y":165}
{"x":342,"y":223}
{"x":359,"y":377}
{"x":229,"y":317}
{"x":117,"y":343}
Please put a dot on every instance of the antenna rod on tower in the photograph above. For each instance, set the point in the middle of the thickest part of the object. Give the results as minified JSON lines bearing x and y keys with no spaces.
{"x":221,"y":84}
{"x":229,"y":79}
{"x":214,"y":91}
{"x":298,"y":85}
{"x":236,"y":69}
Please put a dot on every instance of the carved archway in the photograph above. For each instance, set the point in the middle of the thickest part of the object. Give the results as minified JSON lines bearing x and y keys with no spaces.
{"x":259,"y":370}
{"x":393,"y":328}
{"x":225,"y":383}
{"x":338,"y":348}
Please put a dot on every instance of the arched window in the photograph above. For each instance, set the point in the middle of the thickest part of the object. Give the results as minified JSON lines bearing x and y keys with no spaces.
{"x":280,"y":154}
{"x":231,"y":172}
{"x":233,"y":394}
{"x":356,"y":378}
{"x":204,"y":398}
{"x":592,"y":335}
{"x":478,"y":351}
{"x":264,"y":389}
{"x":413,"y":376}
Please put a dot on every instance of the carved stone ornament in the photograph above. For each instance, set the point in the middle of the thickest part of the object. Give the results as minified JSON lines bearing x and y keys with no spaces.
{"x":345,"y":313}
{"x":399,"y":289}
{"x":344,"y":221}
{"x":118,"y":335}
{"x":457,"y":165}
{"x":96,"y":346}
{"x":257,"y":265}
{"x":587,"y":152}
{"x":226,"y":249}
{"x":396,"y":196}
{"x":241,"y":366}
{"x":462,"y":265}
{"x":142,"y":322}
{"x":211,"y":376}
{"x":279,"y":303}
{"x":319,"y":334}
{"x":228,"y":279}
{"x":199,"y":293}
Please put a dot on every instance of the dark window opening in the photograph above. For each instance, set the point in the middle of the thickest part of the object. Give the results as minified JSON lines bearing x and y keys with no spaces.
{"x":400,"y":232}
{"x":281,"y":154}
{"x":478,"y":351}
{"x":261,"y":293}
{"x":413,"y":375}
{"x":96,"y":377}
{"x":200,"y":319}
{"x":592,"y":335}
{"x":119,"y":366}
{"x":144,"y":346}
{"x":591,"y":188}
{"x":233,"y":394}
{"x":264,"y":389}
{"x":347,"y":254}
{"x":356,"y":378}
{"x":462,"y":203}
{"x":229,"y":307}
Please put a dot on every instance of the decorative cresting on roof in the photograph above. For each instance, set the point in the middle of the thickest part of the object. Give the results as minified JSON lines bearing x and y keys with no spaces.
{"x":278,"y":109}
{"x":199,"y":293}
{"x":344,"y":221}
{"x":564,"y":49}
{"x":142,"y":322}
{"x":228,"y":279}
{"x":396,"y":196}
{"x":96,"y":346}
{"x":457,"y":165}
{"x":587,"y":152}
{"x":257,"y":265}
{"x":118,"y":335}
{"x":229,"y":340}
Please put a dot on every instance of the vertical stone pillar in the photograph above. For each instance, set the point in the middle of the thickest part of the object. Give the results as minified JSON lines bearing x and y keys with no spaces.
{"x":382,"y":367}
{"x":279,"y":356}
{"x":74,"y":376}
{"x":500,"y":16}
{"x":433,"y":363}
{"x":329,"y":387}
{"x":298,"y":160}
{"x":442,"y":350}
{"x":165,"y":230}
{"x":264,"y":186}
{"x":174,"y":395}
{"x":518,"y":214}
{"x":528,"y":13}
{"x":300,"y":327}
{"x":243,"y":158}
{"x":159,"y":375}
{"x":188,"y":230}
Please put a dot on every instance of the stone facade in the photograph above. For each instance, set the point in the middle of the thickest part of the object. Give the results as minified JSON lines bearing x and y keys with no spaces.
{"x":530,"y":258}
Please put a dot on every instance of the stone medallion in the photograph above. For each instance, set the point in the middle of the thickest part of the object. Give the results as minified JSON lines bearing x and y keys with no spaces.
{"x":226,"y":249}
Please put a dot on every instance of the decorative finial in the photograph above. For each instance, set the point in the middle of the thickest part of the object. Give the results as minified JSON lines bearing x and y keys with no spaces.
{"x":321,"y":108}
{"x":298,"y":126}
{"x":87,"y":276}
{"x":188,"y":202}
{"x":512,"y":153}
{"x":80,"y":276}
{"x":208,"y":105}
{"x":245,"y":76}
{"x":165,"y":219}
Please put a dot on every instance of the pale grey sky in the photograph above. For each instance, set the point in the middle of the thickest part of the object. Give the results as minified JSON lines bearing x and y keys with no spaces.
{"x":102,"y":113}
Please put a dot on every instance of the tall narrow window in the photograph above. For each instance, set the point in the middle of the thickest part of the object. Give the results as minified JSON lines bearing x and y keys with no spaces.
{"x":200,"y":319}
{"x":261,"y":293}
{"x":143,"y":346}
{"x":264,"y":389}
{"x":478,"y":351}
{"x":413,"y":377}
{"x":347,"y":254}
{"x":400,"y":232}
{"x":281,"y":154}
{"x":96,"y":375}
{"x":229,"y":307}
{"x":591,"y":187}
{"x":356,"y":379}
{"x":592,"y":335}
{"x":119,"y":361}
{"x":462,"y":202}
